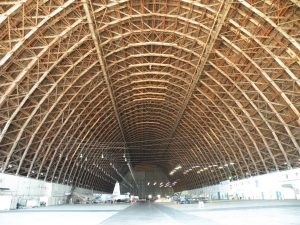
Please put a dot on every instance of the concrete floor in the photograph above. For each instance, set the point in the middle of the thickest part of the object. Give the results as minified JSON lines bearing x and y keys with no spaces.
{"x":61,"y":215}
{"x":246,"y":212}
{"x":215,"y":213}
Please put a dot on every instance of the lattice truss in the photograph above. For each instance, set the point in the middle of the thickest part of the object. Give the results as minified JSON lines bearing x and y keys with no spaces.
{"x":212,"y":86}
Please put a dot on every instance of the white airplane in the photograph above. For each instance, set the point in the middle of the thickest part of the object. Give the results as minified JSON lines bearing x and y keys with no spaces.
{"x":114,"y":197}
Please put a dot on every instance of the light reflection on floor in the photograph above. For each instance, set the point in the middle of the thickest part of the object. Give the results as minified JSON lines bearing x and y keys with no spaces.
{"x":215,"y":213}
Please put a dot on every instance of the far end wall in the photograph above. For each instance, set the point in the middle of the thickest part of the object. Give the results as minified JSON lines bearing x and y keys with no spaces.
{"x":272,"y":186}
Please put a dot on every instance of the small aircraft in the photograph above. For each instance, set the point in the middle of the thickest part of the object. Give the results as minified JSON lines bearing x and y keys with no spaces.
{"x":114,"y":197}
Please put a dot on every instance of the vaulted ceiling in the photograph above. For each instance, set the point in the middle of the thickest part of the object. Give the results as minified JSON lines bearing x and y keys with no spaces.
{"x":207,"y":90}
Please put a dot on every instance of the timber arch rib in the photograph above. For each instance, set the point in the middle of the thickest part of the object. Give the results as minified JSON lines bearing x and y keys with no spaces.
{"x":90,"y":88}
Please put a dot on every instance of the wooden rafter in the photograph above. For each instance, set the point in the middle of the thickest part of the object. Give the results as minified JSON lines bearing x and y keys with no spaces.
{"x":212,"y":86}
{"x":95,"y":37}
{"x":214,"y":33}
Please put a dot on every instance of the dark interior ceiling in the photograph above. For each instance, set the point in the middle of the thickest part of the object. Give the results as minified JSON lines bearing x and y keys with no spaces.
{"x":89,"y":89}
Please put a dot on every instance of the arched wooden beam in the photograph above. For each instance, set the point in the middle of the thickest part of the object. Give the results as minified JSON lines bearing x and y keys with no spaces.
{"x":214,"y":33}
{"x":131,"y":111}
{"x":240,"y":122}
{"x":240,"y":106}
{"x":222,"y":113}
{"x":272,"y":23}
{"x":91,"y":138}
{"x":91,"y":21}
{"x":12,"y":10}
{"x":66,"y":135}
{"x":148,"y":88}
{"x":40,"y":103}
{"x":117,"y":21}
{"x":25,"y":71}
{"x":68,"y":166}
{"x":44,"y":119}
{"x":152,"y":64}
{"x":212,"y":117}
{"x":53,"y":139}
{"x":16,"y":48}
{"x":266,"y":76}
{"x":280,"y":63}
{"x":142,"y":55}
{"x":150,"y":80}
{"x":255,"y":107}
{"x":33,"y":31}
{"x":154,"y":43}
{"x":134,"y":96}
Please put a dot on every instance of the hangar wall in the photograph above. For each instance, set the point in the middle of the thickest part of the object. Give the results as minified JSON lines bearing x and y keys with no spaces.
{"x":272,"y":186}
{"x":31,"y":192}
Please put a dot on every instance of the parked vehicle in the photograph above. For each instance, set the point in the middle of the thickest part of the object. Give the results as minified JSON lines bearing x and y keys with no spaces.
{"x":185,"y":199}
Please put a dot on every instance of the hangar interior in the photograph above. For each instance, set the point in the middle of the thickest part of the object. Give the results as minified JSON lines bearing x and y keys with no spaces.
{"x":170,"y":95}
